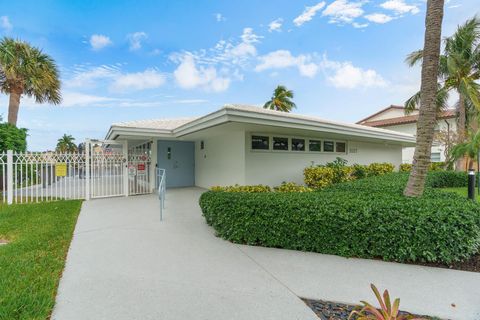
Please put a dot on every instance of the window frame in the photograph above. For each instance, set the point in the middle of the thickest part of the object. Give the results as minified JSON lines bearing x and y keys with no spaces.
{"x":289,"y":139}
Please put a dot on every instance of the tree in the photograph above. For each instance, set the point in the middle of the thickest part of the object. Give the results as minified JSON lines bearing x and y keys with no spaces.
{"x":26,"y":70}
{"x":469,"y":148}
{"x":66,"y":144}
{"x":281,"y":100}
{"x":428,"y":99}
{"x":12,"y":138}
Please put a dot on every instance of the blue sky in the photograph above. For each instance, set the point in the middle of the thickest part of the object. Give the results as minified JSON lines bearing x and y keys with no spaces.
{"x":130,"y":60}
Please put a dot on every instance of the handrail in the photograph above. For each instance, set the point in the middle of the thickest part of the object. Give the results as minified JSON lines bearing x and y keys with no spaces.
{"x":161,"y":178}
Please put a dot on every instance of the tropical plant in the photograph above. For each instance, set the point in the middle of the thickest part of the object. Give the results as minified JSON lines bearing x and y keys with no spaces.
{"x":281,"y":100}
{"x":387,"y":311}
{"x":66,"y":144}
{"x":12,"y":138}
{"x":26,"y":70}
{"x":469,"y":148}
{"x":428,"y":98}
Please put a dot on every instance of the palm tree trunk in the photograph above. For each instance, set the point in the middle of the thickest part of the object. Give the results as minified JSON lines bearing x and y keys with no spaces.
{"x":13,"y":106}
{"x":428,"y":93}
{"x":461,"y":124}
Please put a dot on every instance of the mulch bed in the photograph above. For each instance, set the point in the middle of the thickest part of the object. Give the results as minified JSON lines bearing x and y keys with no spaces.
{"x":329,"y":310}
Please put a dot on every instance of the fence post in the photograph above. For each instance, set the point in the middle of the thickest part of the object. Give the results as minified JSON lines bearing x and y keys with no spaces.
{"x":9,"y":176}
{"x":125,"y":170}
{"x":87,"y":169}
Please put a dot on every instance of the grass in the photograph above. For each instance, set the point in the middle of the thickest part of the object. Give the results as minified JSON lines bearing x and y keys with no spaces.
{"x":463,"y":191}
{"x":32,"y":262}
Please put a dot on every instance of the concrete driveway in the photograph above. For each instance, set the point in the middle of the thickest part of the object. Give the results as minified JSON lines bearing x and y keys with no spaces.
{"x":124,"y":263}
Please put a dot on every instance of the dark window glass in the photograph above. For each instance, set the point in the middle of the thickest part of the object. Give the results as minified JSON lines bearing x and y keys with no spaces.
{"x":341,"y":146}
{"x":298,"y":144}
{"x":260,"y":143}
{"x":328,"y":146}
{"x":202,"y":145}
{"x":315,"y":145}
{"x":280,"y":143}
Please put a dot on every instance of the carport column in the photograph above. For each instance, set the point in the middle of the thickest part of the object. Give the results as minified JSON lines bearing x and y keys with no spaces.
{"x":125,"y":171}
{"x":153,"y":165}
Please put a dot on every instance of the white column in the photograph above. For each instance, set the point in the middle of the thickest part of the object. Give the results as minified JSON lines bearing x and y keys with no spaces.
{"x":125,"y":168}
{"x":9,"y":176}
{"x":87,"y":169}
{"x":153,"y":165}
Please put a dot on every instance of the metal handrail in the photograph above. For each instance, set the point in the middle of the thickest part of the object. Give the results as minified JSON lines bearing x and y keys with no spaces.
{"x":161,"y":178}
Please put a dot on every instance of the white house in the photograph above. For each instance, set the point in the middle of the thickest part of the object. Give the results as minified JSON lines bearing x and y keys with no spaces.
{"x":394,"y":118}
{"x":247,"y":145}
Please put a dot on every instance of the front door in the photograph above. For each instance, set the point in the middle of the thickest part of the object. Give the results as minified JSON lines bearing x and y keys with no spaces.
{"x":178,"y":159}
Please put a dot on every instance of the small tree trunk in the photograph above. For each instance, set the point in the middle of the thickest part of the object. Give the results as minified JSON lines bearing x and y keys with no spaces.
{"x":13,"y":106}
{"x":428,"y":93}
{"x":461,"y":126}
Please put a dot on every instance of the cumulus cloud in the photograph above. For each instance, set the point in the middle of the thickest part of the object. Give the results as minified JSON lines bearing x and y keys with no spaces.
{"x":343,"y":11}
{"x":76,"y":99}
{"x":400,"y":7}
{"x":5,"y":24}
{"x":308,"y":14}
{"x":87,"y":77}
{"x":189,"y":76}
{"x":281,"y":59}
{"x":346,"y":75}
{"x":275,"y":25}
{"x":137,"y":81}
{"x":135,"y":39}
{"x":378,"y":18}
{"x":99,"y":41}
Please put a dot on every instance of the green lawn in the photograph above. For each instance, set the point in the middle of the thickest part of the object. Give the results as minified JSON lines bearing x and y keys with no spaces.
{"x":461,"y":191}
{"x":32,"y":262}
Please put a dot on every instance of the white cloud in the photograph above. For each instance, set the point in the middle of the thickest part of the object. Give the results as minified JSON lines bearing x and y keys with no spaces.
{"x":281,"y":59}
{"x":87,"y":77}
{"x":74,"y":99}
{"x":135,"y":39}
{"x":378,"y":18}
{"x":189,"y":76}
{"x":248,"y":36}
{"x":359,"y":25}
{"x":346,"y":75}
{"x":343,"y":11}
{"x":99,"y":41}
{"x":219,"y":17}
{"x":400,"y":7}
{"x":308,"y":14}
{"x":148,"y":79}
{"x":5,"y":24}
{"x":275,"y":25}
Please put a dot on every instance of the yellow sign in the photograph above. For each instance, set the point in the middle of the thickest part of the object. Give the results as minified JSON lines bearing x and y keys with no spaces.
{"x":61,"y":169}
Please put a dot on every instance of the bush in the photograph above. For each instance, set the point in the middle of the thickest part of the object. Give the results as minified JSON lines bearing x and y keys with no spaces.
{"x":434,"y":166}
{"x":368,"y":218}
{"x":405,"y":167}
{"x":238,"y":188}
{"x":378,"y":169}
{"x":12,"y":138}
{"x":447,"y":179}
{"x":291,"y":187}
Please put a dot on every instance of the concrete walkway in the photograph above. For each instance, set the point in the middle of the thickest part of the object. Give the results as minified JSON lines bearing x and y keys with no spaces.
{"x":124,"y":263}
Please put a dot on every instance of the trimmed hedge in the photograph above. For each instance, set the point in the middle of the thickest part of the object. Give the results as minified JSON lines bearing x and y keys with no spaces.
{"x":368,"y":218}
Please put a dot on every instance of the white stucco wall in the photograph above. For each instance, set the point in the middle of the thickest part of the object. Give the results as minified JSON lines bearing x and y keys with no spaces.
{"x":274,"y":167}
{"x":222,"y":162}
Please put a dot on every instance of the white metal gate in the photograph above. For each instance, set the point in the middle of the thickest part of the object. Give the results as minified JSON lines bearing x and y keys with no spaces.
{"x":139,"y":170}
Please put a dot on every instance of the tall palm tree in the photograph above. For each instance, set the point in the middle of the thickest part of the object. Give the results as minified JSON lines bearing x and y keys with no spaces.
{"x":281,"y":100}
{"x":66,"y":144}
{"x":469,"y":148}
{"x":428,"y":99}
{"x":459,"y":69}
{"x":26,"y":70}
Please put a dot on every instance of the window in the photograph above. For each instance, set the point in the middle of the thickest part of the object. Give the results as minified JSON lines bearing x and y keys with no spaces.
{"x":315,"y":145}
{"x":260,"y":142}
{"x":298,"y":144}
{"x":435,"y":157}
{"x":341,"y":147}
{"x":280,"y":143}
{"x":202,"y":145}
{"x":328,"y":146}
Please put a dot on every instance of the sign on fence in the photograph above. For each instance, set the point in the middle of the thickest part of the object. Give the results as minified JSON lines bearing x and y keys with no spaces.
{"x":61,"y":169}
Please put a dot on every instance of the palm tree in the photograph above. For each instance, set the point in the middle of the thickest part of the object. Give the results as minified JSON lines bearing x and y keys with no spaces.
{"x":66,"y":144}
{"x":459,"y":69}
{"x":26,"y":70}
{"x":469,"y":148}
{"x":428,"y":99}
{"x":281,"y":100}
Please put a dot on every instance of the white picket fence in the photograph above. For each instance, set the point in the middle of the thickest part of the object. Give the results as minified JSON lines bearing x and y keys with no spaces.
{"x":43,"y":176}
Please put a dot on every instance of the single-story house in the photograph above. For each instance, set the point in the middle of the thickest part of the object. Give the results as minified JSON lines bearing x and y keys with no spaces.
{"x":248,"y":145}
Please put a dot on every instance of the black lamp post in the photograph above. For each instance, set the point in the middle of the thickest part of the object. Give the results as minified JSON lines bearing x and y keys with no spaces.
{"x":471,"y":184}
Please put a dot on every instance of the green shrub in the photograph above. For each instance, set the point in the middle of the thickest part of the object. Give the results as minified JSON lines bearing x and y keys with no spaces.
{"x":359,"y":171}
{"x":434,"y":166}
{"x":367,"y":218}
{"x":12,"y":138}
{"x":447,"y":179}
{"x":291,"y":187}
{"x":238,"y":188}
{"x":405,"y":167}
{"x":378,"y":169}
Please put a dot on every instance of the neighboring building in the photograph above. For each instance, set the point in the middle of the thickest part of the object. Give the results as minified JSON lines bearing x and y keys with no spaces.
{"x":248,"y":145}
{"x":394,"y":118}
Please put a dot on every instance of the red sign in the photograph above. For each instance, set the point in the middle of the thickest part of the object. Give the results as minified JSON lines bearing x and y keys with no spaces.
{"x":141,"y":167}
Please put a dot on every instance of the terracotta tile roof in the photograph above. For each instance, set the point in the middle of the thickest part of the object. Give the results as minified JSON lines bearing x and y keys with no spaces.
{"x":405,"y":119}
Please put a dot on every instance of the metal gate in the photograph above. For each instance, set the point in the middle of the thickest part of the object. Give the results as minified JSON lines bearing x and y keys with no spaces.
{"x":139,"y":170}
